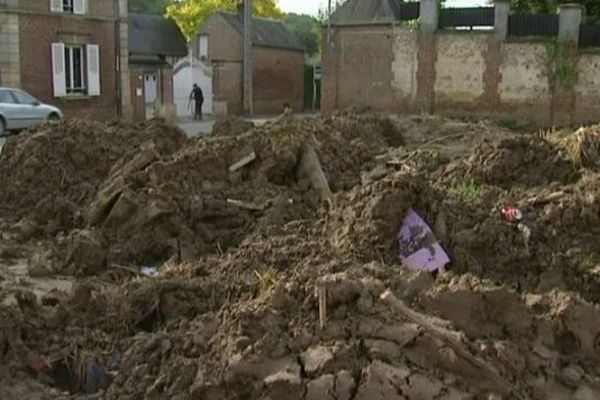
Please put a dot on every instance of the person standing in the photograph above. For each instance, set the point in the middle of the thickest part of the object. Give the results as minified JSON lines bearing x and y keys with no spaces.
{"x":198,"y":98}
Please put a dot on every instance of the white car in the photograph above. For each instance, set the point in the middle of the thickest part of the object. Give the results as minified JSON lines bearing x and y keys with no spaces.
{"x":20,"y":110}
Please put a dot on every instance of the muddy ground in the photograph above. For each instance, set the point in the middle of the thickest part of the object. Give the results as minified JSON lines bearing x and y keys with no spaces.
{"x":278,"y":277}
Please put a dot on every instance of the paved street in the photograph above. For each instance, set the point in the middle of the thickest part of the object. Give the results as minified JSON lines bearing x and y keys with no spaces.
{"x":194,"y":128}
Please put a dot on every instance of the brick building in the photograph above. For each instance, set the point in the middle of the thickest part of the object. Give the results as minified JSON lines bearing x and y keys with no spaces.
{"x":277,"y":61}
{"x":69,"y":53}
{"x":155,"y":44}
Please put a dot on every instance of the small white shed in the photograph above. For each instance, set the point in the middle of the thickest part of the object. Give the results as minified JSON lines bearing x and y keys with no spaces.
{"x":186,"y":72}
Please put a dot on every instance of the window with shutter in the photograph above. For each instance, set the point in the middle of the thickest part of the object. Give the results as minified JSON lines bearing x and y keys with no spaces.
{"x":58,"y":69}
{"x":93,"y":69}
{"x":56,"y":5}
{"x":68,"y":6}
{"x":74,"y":70}
{"x":79,"y":6}
{"x":203,"y":47}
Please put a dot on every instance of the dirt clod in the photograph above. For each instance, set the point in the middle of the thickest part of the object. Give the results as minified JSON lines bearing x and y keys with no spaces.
{"x":267,"y":278}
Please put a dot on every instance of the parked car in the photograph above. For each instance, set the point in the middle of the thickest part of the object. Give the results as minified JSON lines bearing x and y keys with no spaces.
{"x":20,"y":110}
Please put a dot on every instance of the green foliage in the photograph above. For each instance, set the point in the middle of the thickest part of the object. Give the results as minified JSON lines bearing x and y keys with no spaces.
{"x":308,"y":30}
{"x":562,"y":64}
{"x":149,"y":6}
{"x":592,"y":7}
{"x":508,"y":123}
{"x":465,"y":190}
{"x":414,"y":24}
{"x":190,"y":15}
{"x":323,"y":13}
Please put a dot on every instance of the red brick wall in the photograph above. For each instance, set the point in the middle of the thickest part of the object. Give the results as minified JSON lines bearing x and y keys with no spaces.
{"x":38,"y":32}
{"x":136,"y":84}
{"x":227,"y":85}
{"x":330,"y":60}
{"x":224,"y":42}
{"x":357,"y":69}
{"x":278,"y":76}
{"x":426,"y":57}
{"x":166,"y":82}
{"x":96,"y":8}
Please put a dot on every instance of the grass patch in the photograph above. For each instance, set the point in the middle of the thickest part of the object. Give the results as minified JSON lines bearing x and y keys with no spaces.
{"x":509,"y":124}
{"x":465,"y":190}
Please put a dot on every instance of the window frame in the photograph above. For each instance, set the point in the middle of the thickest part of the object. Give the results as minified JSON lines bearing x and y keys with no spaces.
{"x":69,"y":70}
{"x":10,"y":95}
{"x":68,"y":6}
{"x":14,"y":93}
{"x":203,"y":39}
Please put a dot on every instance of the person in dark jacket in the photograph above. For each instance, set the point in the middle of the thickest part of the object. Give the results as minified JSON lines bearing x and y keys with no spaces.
{"x":198,"y":98}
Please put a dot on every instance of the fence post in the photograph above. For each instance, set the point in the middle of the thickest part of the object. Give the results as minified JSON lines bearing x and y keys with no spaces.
{"x":430,"y":15}
{"x":571,"y":16}
{"x":501,"y":13}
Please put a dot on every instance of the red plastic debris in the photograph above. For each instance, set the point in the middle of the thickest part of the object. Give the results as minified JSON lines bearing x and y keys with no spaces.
{"x":512,"y":214}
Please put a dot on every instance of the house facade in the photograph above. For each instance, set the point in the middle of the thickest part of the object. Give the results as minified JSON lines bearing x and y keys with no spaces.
{"x":277,"y":62}
{"x":69,"y":53}
{"x":155,"y":45}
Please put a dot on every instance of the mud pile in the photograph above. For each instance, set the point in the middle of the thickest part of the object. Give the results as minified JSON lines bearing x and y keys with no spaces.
{"x":306,"y":298}
{"x":151,"y":195}
{"x":241,"y":329}
{"x":49,"y":173}
{"x":208,"y":196}
{"x":231,"y":126}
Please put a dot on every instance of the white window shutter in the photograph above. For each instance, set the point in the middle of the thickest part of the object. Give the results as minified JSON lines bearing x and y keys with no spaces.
{"x":79,"y":6}
{"x":58,"y":69}
{"x":93,"y":69}
{"x":56,"y":5}
{"x":203,"y":46}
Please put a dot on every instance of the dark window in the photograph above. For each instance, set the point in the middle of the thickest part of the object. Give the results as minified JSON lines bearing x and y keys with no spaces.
{"x":6,"y":97}
{"x":23,"y":98}
{"x":74,"y":70}
{"x":68,"y":6}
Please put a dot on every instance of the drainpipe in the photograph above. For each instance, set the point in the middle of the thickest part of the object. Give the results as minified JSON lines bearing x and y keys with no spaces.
{"x":118,"y":58}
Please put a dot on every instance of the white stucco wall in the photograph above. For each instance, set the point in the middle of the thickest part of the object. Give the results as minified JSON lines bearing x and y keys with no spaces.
{"x":184,"y":78}
{"x":587,"y":89}
{"x":9,"y":50}
{"x":460,"y":66}
{"x":524,"y":73}
{"x":405,"y":63}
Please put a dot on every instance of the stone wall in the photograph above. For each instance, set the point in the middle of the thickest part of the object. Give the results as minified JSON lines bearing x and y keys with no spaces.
{"x":9,"y":49}
{"x":399,"y":70}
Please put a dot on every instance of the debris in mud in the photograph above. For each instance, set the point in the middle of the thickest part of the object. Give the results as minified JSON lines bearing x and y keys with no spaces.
{"x":271,"y":272}
{"x":231,"y":126}
{"x":419,"y":248}
{"x":50,"y":172}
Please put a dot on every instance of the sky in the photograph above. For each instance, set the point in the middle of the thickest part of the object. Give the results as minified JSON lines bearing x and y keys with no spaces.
{"x":312,"y":6}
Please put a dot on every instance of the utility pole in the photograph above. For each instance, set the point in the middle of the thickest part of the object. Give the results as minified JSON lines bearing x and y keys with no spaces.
{"x":248,"y":106}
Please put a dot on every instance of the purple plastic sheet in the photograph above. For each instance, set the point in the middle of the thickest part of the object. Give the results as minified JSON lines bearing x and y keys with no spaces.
{"x":419,"y":248}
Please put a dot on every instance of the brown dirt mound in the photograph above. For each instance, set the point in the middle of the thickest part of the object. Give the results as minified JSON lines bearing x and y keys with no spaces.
{"x":153,"y":208}
{"x":521,"y":160}
{"x":231,"y":126}
{"x":48,"y":173}
{"x":292,"y":309}
{"x":251,"y":337}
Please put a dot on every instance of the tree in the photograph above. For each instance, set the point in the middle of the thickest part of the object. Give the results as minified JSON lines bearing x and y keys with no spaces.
{"x":308,"y":30}
{"x":149,"y":6}
{"x":592,"y":7}
{"x":190,"y":15}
